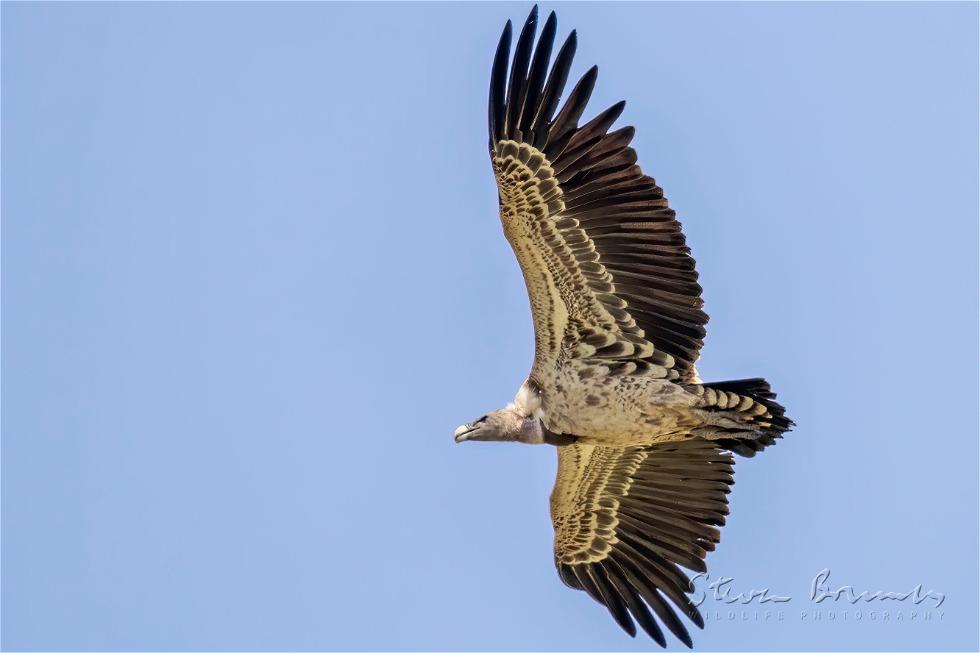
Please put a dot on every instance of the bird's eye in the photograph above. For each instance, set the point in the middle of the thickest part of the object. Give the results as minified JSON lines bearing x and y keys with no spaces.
{"x":481,"y":420}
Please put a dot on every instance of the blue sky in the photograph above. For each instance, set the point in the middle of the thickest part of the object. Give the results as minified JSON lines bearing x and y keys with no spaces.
{"x":253,"y":277}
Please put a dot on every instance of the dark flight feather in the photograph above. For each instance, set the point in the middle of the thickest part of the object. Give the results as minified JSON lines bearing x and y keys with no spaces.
{"x":498,"y":85}
{"x":518,"y":73}
{"x":536,"y":75}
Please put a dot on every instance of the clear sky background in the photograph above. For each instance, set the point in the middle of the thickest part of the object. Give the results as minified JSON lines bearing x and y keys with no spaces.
{"x":253,"y":277}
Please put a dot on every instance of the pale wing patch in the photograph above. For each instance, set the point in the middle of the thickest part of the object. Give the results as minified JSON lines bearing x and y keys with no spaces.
{"x":576,"y":312}
{"x":585,"y":499}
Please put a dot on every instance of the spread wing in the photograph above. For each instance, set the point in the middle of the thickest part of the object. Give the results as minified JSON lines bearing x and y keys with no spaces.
{"x":608,"y":272}
{"x":626,"y":520}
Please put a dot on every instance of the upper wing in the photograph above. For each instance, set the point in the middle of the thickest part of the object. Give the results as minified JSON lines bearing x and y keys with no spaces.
{"x":607,"y":269}
{"x":627,"y":519}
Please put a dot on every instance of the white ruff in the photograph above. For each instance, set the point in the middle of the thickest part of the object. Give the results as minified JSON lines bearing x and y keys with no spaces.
{"x":528,"y":402}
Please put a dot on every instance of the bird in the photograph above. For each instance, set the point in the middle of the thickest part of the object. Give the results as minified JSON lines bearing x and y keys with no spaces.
{"x":645,"y":448}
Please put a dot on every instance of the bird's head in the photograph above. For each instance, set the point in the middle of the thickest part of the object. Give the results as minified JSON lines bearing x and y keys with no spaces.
{"x":505,"y":425}
{"x":510,"y":425}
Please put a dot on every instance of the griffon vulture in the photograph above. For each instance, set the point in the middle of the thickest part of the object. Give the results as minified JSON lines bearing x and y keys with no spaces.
{"x":644,"y":462}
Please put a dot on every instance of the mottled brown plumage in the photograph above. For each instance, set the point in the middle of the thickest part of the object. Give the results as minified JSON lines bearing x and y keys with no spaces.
{"x":643,"y":445}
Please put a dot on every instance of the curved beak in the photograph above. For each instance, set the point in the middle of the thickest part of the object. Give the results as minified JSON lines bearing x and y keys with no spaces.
{"x":463,"y":433}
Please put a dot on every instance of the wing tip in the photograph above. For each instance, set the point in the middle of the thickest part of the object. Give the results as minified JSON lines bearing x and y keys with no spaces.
{"x":532,"y":17}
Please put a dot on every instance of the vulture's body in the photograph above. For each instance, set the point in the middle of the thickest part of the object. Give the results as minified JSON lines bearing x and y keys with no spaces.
{"x":643,"y":445}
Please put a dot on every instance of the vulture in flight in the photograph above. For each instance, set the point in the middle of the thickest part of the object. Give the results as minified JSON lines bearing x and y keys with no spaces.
{"x":644,"y":446}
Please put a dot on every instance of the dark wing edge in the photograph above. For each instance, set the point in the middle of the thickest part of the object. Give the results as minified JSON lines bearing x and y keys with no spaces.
{"x":637,"y":239}
{"x":641,"y":515}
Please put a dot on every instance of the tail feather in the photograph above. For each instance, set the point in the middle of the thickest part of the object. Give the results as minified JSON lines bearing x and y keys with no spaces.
{"x":754,"y":397}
